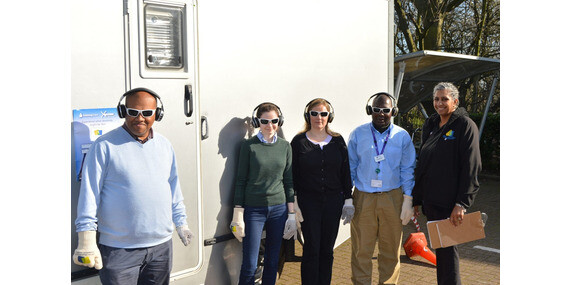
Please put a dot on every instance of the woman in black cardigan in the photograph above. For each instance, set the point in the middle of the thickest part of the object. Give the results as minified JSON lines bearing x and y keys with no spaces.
{"x":446,"y":176}
{"x":322,"y":182}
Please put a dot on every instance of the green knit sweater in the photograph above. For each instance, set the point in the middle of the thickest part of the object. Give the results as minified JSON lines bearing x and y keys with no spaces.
{"x":264,"y":175}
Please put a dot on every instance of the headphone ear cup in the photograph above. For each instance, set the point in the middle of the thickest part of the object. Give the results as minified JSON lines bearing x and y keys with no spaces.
{"x":280,"y":121}
{"x":306,"y":117}
{"x":369,"y":110}
{"x":331,"y":116}
{"x":121,"y":111}
{"x":255,"y":122}
{"x":395,"y":111}
{"x":159,"y":114}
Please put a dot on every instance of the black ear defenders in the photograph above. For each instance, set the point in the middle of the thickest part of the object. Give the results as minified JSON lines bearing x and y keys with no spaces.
{"x":122,"y":110}
{"x":306,"y":111}
{"x":256,"y":120}
{"x":395,"y":109}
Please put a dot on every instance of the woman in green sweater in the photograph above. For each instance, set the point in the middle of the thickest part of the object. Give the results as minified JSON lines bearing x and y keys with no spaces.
{"x":263,"y":187}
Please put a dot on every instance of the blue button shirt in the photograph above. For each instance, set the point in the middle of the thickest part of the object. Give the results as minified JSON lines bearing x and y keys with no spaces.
{"x":262,"y":139}
{"x":397,"y":169}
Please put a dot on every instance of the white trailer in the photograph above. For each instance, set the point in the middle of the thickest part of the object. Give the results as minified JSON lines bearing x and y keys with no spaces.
{"x":212,"y":62}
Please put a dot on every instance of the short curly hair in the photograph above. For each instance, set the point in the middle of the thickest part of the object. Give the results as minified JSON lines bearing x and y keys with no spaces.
{"x":446,"y":86}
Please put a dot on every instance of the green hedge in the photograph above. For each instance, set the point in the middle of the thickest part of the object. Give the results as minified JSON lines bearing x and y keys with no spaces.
{"x":489,"y":143}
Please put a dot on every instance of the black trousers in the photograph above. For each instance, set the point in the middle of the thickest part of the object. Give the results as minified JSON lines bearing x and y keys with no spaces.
{"x":447,"y":259}
{"x":321,"y":213}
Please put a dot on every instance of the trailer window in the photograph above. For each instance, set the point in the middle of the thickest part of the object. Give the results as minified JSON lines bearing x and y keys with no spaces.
{"x":163,"y":36}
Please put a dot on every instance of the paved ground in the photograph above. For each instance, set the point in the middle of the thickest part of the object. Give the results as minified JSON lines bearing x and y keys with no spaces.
{"x":477,"y":266}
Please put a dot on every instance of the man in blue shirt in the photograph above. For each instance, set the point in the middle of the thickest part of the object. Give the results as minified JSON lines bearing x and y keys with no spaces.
{"x":382,"y":159}
{"x":131,"y":194}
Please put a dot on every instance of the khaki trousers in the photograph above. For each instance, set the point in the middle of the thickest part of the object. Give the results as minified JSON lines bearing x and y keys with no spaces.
{"x":377,"y":217}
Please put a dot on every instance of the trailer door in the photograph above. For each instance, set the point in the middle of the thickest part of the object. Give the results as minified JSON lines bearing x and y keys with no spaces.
{"x":160,"y":41}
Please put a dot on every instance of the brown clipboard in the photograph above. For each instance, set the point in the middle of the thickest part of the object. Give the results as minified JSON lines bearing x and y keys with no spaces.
{"x":443,"y":233}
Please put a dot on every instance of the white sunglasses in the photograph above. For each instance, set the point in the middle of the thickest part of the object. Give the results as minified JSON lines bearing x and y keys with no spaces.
{"x":266,"y":121}
{"x":381,"y":110}
{"x":315,"y":113}
{"x":135,"y":112}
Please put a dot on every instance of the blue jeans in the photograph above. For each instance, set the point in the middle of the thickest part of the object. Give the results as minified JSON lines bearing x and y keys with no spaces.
{"x":255,"y":218}
{"x":130,"y":266}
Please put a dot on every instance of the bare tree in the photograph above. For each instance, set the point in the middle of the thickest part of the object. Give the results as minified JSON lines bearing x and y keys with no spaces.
{"x":421,"y":22}
{"x":461,"y":26}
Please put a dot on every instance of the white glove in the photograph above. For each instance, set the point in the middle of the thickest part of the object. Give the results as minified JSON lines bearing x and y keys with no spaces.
{"x":298,"y":215}
{"x":348,"y":211}
{"x":238,"y":227}
{"x":185,"y":234}
{"x":290,"y":229}
{"x":407,"y":210}
{"x":87,"y":253}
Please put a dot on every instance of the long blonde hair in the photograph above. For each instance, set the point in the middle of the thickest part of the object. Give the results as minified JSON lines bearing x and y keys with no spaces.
{"x":310,"y":105}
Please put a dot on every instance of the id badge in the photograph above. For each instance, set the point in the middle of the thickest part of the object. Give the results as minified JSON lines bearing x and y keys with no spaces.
{"x":376,"y":183}
{"x":379,"y":158}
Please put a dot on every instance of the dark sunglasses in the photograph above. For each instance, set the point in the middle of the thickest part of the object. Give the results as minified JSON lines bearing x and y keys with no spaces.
{"x":136,"y":112}
{"x":381,"y":110}
{"x":315,"y":113}
{"x":266,"y":121}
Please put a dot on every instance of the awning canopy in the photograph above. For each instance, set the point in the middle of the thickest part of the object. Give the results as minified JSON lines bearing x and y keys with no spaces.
{"x":420,"y":71}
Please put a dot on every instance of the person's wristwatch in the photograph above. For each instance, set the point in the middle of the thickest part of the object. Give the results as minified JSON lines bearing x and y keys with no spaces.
{"x":461,"y":206}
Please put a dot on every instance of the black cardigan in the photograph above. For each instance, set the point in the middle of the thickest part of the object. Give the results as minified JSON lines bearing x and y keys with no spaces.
{"x":320,"y":171}
{"x":449,"y":162}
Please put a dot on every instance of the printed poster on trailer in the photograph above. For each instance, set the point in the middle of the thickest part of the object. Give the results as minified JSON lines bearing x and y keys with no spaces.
{"x":88,"y":125}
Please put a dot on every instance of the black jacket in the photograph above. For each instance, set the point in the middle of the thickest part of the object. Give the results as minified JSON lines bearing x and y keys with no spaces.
{"x":320,"y":171}
{"x":449,"y":162}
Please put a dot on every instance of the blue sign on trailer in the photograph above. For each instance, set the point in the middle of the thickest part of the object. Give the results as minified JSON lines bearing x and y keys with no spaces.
{"x":88,"y":125}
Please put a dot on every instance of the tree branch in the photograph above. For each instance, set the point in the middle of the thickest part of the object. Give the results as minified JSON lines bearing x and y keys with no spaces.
{"x":403,"y":26}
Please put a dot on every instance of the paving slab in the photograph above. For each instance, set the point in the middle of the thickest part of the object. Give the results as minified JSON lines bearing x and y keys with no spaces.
{"x":479,"y":260}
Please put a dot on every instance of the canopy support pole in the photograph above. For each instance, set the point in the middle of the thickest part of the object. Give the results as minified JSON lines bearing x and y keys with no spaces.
{"x":483,"y":122}
{"x":400,"y":78}
{"x":422,"y":110}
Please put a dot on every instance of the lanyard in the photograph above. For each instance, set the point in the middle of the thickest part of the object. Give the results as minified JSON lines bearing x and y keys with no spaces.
{"x":378,"y":170}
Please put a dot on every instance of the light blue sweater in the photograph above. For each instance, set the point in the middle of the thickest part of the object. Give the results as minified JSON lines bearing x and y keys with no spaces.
{"x":130,"y":191}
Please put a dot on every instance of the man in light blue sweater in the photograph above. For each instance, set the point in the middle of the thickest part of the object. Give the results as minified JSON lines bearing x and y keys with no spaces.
{"x":131,"y":194}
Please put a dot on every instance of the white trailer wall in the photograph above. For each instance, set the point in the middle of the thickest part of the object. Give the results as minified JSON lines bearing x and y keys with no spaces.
{"x":246,"y":52}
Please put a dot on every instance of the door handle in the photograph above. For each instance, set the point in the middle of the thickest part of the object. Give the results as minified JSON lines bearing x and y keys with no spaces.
{"x":203,"y":127}
{"x":188,"y":107}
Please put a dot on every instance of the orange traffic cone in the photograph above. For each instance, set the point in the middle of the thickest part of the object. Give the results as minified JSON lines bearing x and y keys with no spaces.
{"x":416,"y":243}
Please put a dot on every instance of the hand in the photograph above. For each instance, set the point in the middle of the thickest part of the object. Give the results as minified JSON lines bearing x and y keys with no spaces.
{"x":407,"y":210}
{"x":298,"y":215}
{"x":290,"y":228}
{"x":348,"y":211}
{"x":457,"y":215}
{"x":87,"y":253}
{"x":185,"y":234}
{"x":416,"y":211}
{"x":237,"y":226}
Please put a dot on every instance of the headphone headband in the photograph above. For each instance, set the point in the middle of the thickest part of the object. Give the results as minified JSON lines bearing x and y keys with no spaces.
{"x":306,"y":111}
{"x":122,"y":109}
{"x":256,"y":122}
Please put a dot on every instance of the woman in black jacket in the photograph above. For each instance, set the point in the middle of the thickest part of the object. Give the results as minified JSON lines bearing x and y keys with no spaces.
{"x":446,"y":176}
{"x":322,"y":182}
